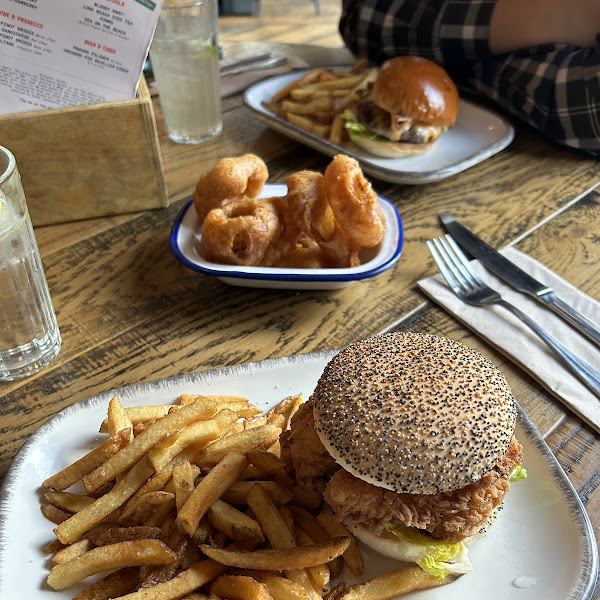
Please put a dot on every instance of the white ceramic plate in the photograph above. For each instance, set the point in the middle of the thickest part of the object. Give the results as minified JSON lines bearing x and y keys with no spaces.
{"x":542,"y":540}
{"x":185,"y":236}
{"x":478,"y":134}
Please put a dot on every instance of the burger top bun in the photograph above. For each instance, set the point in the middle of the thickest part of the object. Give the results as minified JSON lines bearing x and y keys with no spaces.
{"x":414,"y":413}
{"x":418,"y":88}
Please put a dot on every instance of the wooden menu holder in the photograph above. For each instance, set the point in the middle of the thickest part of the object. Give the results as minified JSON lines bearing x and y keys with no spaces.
{"x":87,"y":161}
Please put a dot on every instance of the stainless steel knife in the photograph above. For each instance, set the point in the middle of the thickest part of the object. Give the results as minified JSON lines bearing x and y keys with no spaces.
{"x":516,"y":277}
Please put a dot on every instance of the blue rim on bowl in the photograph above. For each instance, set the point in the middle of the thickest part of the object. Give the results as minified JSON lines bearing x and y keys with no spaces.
{"x":185,"y":233}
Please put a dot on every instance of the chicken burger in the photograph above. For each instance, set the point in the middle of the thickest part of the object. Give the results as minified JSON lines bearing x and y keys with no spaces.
{"x":412,"y":100}
{"x":410,"y":438}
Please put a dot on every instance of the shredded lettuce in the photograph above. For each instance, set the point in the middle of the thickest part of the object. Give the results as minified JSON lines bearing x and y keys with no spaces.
{"x":518,"y":473}
{"x":357,"y":131}
{"x":436,"y":557}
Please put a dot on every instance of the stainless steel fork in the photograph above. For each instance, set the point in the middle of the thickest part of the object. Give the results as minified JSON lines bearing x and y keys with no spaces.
{"x":469,"y":287}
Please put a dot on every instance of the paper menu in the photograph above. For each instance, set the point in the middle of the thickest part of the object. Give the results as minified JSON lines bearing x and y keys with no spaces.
{"x":56,"y":53}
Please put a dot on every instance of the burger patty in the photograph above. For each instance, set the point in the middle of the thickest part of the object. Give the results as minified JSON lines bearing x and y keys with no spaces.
{"x":394,"y":127}
{"x":451,"y":516}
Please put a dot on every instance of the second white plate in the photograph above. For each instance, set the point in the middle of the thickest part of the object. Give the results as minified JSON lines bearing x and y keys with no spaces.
{"x":478,"y":134}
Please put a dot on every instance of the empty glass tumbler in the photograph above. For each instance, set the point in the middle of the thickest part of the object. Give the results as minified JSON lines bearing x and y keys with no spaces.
{"x":29,"y":335}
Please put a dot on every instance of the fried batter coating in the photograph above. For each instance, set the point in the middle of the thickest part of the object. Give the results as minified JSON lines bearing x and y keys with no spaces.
{"x":451,"y":516}
{"x":322,"y":222}
{"x":309,"y":221}
{"x":293,"y":248}
{"x":354,"y":202}
{"x":230,"y":179}
{"x":302,"y":448}
{"x":240,"y":232}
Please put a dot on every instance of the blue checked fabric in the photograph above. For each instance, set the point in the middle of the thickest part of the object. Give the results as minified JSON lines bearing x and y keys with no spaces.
{"x":555,"y":88}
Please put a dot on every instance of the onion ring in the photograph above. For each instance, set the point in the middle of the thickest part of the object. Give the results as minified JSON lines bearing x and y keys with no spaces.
{"x":240,"y":232}
{"x":305,"y":254}
{"x":354,"y":202}
{"x":230,"y":179}
{"x":307,"y":205}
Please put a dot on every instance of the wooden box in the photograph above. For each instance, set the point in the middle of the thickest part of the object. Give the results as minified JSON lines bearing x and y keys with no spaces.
{"x":88,"y":161}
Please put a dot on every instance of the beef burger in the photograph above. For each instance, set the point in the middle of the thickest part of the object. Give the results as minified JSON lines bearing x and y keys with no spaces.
{"x":412,"y":100}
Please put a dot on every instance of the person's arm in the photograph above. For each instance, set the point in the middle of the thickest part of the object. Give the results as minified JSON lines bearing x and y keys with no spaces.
{"x":518,"y":24}
{"x":553,"y":88}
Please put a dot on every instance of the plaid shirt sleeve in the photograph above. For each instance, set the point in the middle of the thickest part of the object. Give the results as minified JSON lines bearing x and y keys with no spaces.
{"x":555,"y":88}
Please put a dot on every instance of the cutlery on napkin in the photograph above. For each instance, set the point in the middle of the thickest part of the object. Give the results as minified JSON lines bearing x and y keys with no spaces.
{"x":516,"y":277}
{"x":511,"y":337}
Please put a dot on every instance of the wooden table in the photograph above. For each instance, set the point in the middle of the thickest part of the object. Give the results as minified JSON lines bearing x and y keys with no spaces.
{"x":129,"y":312}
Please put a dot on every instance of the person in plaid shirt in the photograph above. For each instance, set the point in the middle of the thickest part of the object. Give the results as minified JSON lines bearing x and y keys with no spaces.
{"x":537,"y":59}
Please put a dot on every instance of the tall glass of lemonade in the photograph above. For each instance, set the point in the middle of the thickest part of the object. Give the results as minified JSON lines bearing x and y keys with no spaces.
{"x":185,"y":61}
{"x":29,"y":335}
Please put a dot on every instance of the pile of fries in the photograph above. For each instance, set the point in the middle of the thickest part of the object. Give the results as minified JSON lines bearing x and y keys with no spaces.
{"x":316,"y":101}
{"x":192,"y":500}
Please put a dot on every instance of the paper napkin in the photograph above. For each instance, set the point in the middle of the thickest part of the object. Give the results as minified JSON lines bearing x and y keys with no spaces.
{"x":516,"y":341}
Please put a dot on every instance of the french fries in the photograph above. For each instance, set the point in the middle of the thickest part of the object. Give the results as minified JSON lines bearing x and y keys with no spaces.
{"x":184,"y":477}
{"x":315,"y":101}
{"x":278,"y":559}
{"x":67,"y":501}
{"x":234,"y":523}
{"x":69,"y":552}
{"x":93,"y":459}
{"x":256,"y":438}
{"x":114,"y":585}
{"x":280,"y":587}
{"x":197,"y":434}
{"x":124,"y":554}
{"x":70,"y":530}
{"x":209,"y":490}
{"x":280,"y":534}
{"x":131,"y":453}
{"x":395,"y":583}
{"x":238,"y":492}
{"x":194,"y":501}
{"x":239,"y":587}
{"x":137,"y":512}
{"x":113,"y":535}
{"x":118,"y":419}
{"x":183,"y":583}
{"x":352,"y":557}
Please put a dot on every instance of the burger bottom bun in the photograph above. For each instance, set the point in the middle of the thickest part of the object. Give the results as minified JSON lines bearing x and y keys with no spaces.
{"x":392,"y":149}
{"x":391,"y":545}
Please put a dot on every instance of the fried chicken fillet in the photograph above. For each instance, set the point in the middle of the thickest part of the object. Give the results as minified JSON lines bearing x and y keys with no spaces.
{"x":450,"y":516}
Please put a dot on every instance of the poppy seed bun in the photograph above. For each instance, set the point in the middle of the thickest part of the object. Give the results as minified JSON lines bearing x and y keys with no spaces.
{"x":417,"y":88}
{"x":414,"y":413}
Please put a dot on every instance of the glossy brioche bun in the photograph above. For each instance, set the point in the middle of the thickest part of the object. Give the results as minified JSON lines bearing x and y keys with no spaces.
{"x":418,"y":88}
{"x":415,"y":413}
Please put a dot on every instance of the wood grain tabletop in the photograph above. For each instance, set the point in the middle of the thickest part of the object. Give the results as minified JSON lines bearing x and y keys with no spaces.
{"x":130,"y":312}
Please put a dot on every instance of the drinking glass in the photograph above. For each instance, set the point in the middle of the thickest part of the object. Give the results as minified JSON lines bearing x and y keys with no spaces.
{"x":29,"y":335}
{"x":185,"y":62}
